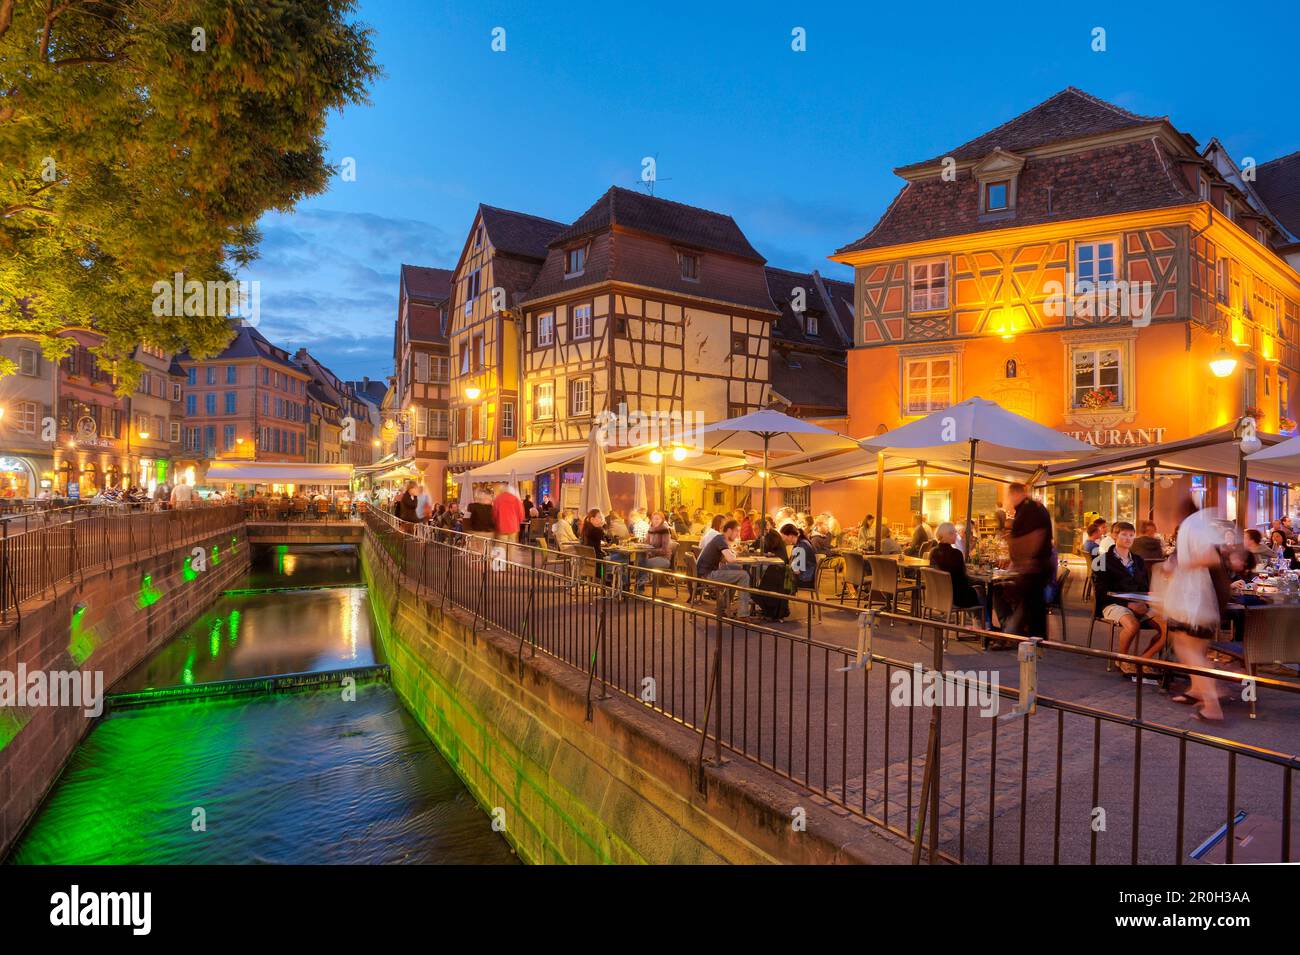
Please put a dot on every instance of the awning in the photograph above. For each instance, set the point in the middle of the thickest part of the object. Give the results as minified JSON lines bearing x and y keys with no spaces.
{"x":525,"y":464}
{"x":1216,"y":453}
{"x":273,"y":472}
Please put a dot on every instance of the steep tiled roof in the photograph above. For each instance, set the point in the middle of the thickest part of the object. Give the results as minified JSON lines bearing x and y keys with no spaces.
{"x":428,"y":285}
{"x":781,"y":285}
{"x":517,"y":233}
{"x":248,"y":343}
{"x":1070,"y":114}
{"x":1104,"y":180}
{"x":370,"y":389}
{"x":1278,"y":183}
{"x":685,"y":224}
{"x":813,"y":383}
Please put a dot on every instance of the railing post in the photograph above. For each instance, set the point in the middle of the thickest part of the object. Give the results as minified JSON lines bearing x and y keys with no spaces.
{"x":4,"y":572}
{"x":597,"y":652}
{"x":929,"y":802}
{"x":482,"y":595}
{"x":712,"y":698}
{"x":525,"y":630}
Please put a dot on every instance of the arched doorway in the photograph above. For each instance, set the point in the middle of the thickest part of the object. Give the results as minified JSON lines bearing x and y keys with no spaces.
{"x":88,"y":483}
{"x":17,"y":478}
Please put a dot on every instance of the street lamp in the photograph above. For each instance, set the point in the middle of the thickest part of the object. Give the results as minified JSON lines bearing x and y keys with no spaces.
{"x":472,"y":393}
{"x":1223,"y":364}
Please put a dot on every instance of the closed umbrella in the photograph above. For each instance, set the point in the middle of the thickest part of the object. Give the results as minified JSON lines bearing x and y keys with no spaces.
{"x":770,"y":430}
{"x":639,"y":494}
{"x":595,"y":483}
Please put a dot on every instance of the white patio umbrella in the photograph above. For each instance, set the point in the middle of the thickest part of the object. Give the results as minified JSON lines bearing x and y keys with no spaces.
{"x":1284,"y":454}
{"x":978,"y":430}
{"x":753,"y":477}
{"x":595,"y":482}
{"x":769,"y":430}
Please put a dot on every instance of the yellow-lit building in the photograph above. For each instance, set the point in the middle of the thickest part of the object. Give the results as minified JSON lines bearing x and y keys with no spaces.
{"x":1083,"y":266}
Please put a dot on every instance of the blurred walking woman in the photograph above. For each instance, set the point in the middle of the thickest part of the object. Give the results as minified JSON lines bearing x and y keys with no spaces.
{"x":1192,"y":604}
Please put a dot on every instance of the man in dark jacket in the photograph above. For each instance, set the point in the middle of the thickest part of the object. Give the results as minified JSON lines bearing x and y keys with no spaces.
{"x":405,"y":505}
{"x":1030,"y":544}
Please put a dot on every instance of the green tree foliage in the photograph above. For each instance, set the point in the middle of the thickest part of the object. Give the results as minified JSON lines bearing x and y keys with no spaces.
{"x":140,"y":138}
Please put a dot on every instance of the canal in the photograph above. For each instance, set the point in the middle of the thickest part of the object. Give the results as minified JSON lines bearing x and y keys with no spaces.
{"x":297,"y":777}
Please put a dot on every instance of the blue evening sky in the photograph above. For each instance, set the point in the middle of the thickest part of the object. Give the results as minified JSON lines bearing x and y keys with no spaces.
{"x":797,"y":146}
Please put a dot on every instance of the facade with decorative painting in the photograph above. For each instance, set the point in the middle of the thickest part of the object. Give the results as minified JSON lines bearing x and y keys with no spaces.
{"x":1081,"y":265}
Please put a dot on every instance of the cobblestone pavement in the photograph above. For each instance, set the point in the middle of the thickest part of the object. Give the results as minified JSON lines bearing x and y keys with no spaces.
{"x":1060,"y":785}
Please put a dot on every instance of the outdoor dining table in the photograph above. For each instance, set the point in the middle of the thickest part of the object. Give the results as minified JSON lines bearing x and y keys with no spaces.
{"x":635,"y":552}
{"x":755,"y":565}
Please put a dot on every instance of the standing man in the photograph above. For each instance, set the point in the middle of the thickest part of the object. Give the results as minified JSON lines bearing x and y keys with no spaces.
{"x":404,"y":507}
{"x":1031,"y":558}
{"x":507,"y":515}
{"x":182,"y":495}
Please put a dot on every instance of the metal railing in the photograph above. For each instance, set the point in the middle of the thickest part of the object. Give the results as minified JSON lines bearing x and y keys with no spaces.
{"x":1071,"y":783}
{"x":40,"y":553}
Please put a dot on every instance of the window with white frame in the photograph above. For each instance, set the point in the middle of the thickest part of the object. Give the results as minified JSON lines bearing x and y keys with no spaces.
{"x":812,"y":326}
{"x":689,"y":263}
{"x":1094,"y":263}
{"x":473,"y":285}
{"x":438,"y":423}
{"x":581,"y":321}
{"x":579,"y":397}
{"x":929,"y":383}
{"x":1222,"y":273}
{"x":1098,"y":376}
{"x":507,"y":419}
{"x":421,"y":367}
{"x":545,"y":329}
{"x":174,"y":432}
{"x":575,"y":261}
{"x":544,"y":400}
{"x":929,"y":285}
{"x":441,"y":369}
{"x":25,"y":415}
{"x":29,"y":362}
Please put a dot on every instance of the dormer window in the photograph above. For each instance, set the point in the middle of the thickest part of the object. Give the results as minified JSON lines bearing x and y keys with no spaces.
{"x":478,"y":238}
{"x":575,"y":261}
{"x":1205,"y":188}
{"x":689,"y":263}
{"x":997,"y":176}
{"x":811,"y":325}
{"x":997,"y":195}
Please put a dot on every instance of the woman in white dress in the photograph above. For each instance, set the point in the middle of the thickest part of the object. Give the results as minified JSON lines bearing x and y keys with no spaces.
{"x":1191,"y":602}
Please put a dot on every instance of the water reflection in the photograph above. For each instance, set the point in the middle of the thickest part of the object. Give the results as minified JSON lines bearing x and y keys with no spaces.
{"x":296,"y":779}
{"x":260,"y":630}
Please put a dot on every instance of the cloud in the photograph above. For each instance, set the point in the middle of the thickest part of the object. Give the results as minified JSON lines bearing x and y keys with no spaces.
{"x":328,"y":282}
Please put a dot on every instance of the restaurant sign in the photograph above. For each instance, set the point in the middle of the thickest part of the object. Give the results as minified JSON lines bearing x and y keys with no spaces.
{"x":1119,"y":437}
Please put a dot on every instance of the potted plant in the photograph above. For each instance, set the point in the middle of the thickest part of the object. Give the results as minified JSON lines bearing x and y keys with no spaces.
{"x":1097,"y":399}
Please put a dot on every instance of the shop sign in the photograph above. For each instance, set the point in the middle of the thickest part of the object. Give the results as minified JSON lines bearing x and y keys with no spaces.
{"x":1119,"y":437}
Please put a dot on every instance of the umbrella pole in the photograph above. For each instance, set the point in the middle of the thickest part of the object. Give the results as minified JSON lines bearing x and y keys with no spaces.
{"x":1151,"y":494}
{"x":880,"y":497}
{"x":663,"y":485}
{"x":970,"y":503}
{"x":765,"y":517}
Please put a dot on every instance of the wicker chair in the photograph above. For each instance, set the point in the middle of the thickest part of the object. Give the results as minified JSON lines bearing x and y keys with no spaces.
{"x":937,"y":601}
{"x":855,"y":576}
{"x":1271,"y":635}
{"x":884,"y":581}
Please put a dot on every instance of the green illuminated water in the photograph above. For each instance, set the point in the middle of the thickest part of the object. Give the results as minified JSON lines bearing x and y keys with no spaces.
{"x":307,"y":777}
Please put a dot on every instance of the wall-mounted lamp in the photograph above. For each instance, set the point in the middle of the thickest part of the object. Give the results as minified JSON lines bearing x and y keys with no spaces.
{"x":472,"y":393}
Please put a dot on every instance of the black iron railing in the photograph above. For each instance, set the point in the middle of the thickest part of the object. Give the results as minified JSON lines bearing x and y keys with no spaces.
{"x":39,"y":553}
{"x":1071,"y":783}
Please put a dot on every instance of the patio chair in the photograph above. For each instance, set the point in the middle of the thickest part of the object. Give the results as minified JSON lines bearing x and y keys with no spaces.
{"x":1057,"y":602}
{"x":855,"y":576}
{"x":1098,"y":618}
{"x":884,"y":581}
{"x":937,"y":602}
{"x":1271,"y":635}
{"x":588,"y":568}
{"x":299,"y":508}
{"x":555,"y":560}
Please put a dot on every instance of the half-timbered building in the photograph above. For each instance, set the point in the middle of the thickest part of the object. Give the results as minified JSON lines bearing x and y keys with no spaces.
{"x":501,"y":258}
{"x":414,"y":429}
{"x":1082,"y":265}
